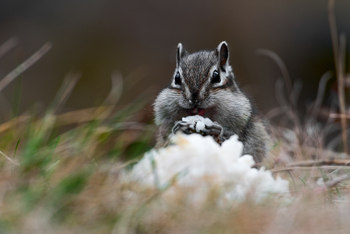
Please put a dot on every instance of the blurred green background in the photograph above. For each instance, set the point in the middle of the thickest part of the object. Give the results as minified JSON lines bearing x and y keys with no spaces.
{"x":139,"y":38}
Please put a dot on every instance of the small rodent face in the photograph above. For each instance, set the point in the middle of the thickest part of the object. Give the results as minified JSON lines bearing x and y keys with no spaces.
{"x":199,"y":75}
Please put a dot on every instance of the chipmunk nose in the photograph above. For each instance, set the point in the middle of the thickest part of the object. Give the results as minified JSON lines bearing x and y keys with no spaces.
{"x":193,"y":101}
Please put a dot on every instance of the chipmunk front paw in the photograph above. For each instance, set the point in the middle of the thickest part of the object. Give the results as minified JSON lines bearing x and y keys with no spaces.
{"x":199,"y":124}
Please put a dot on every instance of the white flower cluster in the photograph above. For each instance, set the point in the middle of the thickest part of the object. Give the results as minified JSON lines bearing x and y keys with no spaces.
{"x":199,"y":163}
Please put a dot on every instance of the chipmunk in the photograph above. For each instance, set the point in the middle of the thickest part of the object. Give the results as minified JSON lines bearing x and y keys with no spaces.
{"x":203,"y":84}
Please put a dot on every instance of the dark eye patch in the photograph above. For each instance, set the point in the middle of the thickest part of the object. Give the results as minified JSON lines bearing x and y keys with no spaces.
{"x":177,"y":79}
{"x":215,"y":77}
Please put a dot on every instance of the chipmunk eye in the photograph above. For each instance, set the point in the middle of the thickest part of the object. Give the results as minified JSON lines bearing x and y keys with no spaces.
{"x":177,"y":79}
{"x":215,"y":77}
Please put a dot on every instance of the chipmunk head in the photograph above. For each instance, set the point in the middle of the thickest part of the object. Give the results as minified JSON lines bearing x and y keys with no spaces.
{"x":199,"y":74}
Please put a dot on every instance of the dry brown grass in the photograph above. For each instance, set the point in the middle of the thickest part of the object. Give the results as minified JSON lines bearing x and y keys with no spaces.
{"x":70,"y":183}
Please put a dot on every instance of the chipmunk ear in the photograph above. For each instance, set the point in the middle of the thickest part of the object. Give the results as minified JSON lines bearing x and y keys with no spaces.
{"x":179,"y":54}
{"x":223,"y":54}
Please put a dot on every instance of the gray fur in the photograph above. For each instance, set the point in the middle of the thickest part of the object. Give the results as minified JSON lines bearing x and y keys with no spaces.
{"x":223,"y":102}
